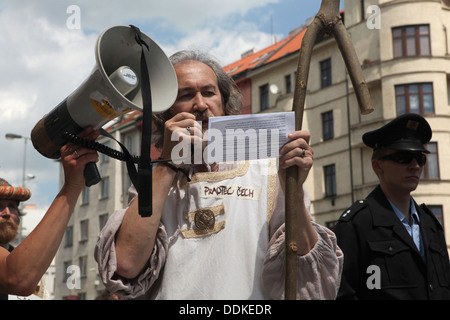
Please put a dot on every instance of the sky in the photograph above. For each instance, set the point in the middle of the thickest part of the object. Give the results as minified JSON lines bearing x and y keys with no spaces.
{"x":47,"y":51}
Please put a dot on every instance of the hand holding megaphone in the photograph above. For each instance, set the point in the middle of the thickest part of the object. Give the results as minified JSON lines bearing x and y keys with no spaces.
{"x":112,"y":89}
{"x":75,"y":158}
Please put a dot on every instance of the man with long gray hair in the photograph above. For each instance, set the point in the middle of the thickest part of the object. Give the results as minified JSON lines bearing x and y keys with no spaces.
{"x":206,"y":240}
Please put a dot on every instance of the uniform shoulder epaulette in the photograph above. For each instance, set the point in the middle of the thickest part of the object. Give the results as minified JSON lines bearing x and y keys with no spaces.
{"x":353,"y":210}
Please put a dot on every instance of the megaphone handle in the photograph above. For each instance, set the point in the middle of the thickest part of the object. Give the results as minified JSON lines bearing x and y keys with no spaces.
{"x":91,"y":174}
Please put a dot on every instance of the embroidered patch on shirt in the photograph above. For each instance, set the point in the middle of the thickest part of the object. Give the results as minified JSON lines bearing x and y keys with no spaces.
{"x":203,"y":222}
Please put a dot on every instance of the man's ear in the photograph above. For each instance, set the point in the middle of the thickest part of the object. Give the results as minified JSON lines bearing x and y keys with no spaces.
{"x":376,"y":166}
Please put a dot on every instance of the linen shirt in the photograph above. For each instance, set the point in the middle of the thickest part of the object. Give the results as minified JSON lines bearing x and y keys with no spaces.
{"x":241,"y":256}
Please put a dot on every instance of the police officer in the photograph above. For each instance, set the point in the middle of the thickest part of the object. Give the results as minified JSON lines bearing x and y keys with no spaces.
{"x":394,"y":248}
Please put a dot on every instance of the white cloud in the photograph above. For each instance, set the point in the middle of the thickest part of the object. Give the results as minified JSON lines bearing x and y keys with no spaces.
{"x":225,"y":45}
{"x":41,"y":64}
{"x":42,"y":61}
{"x":179,"y":15}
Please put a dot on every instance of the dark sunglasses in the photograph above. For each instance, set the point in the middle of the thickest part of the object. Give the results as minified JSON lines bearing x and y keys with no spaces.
{"x":406,"y":157}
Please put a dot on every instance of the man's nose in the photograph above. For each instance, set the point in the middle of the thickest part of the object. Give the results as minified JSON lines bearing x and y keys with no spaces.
{"x":5,"y":213}
{"x":414,"y":163}
{"x":199,"y":102}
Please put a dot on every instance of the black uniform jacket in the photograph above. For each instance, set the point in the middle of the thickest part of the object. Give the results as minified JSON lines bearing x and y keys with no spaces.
{"x":376,"y":244}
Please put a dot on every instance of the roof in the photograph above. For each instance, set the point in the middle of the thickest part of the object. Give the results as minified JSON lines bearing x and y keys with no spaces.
{"x":276,"y":51}
{"x":292,"y":46}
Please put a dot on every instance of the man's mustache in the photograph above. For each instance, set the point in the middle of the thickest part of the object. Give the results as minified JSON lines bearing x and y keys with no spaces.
{"x":202,"y":115}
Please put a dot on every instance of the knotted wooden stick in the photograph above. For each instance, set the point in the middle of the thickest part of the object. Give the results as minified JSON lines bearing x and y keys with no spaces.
{"x":328,"y":20}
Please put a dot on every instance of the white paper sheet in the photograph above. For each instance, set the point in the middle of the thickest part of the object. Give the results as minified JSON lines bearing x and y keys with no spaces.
{"x":247,"y":137}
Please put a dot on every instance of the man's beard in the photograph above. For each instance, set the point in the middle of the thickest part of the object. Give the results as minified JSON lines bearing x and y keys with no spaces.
{"x":8,"y":231}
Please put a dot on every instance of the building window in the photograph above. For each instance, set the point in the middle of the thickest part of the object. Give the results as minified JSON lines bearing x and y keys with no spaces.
{"x":288,"y":83}
{"x":103,"y":158}
{"x":325,"y":72}
{"x":431,"y":168}
{"x":102,"y":219}
{"x":414,"y":98}
{"x":327,"y":125}
{"x":438,"y":213}
{"x":363,"y":10}
{"x":411,"y":41}
{"x":66,"y":275}
{"x":82,"y":263}
{"x":85,"y":196}
{"x":329,"y":173}
{"x":68,"y":237}
{"x":84,"y":230}
{"x":264,"y":97}
{"x":104,"y":188}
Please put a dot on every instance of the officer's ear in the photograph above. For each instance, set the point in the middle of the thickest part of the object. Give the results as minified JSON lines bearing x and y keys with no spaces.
{"x":376,"y":166}
{"x":376,"y":163}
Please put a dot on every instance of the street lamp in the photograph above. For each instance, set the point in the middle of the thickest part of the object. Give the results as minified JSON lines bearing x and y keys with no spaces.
{"x":16,"y":136}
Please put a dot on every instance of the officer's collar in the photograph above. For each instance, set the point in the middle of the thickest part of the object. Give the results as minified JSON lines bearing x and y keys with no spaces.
{"x":383,"y":215}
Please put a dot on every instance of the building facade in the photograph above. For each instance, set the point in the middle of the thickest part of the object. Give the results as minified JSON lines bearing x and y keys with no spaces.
{"x":406,"y":64}
{"x":403,"y":47}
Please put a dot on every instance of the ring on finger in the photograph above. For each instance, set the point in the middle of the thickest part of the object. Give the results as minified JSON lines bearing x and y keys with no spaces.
{"x":188,"y":128}
{"x":303,"y":153}
{"x":76,"y":153}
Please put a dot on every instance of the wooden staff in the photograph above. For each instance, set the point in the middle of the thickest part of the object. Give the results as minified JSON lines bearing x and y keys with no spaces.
{"x":328,"y":20}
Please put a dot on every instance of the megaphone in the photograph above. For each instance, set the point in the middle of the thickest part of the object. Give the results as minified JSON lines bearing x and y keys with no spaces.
{"x":112,"y":89}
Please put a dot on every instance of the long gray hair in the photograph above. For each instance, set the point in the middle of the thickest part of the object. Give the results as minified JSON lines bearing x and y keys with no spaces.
{"x":231,"y":95}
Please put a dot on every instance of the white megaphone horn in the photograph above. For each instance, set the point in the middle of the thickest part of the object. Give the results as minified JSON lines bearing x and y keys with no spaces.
{"x":112,"y":89}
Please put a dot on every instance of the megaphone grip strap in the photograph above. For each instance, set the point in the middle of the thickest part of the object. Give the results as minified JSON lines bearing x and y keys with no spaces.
{"x":126,"y":156}
{"x":145,"y":166}
{"x":138,"y":36}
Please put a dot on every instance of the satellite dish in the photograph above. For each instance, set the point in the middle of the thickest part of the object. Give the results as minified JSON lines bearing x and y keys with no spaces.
{"x":274,"y":89}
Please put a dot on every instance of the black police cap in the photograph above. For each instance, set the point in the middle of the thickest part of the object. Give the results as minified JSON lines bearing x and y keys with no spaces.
{"x":408,"y":132}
